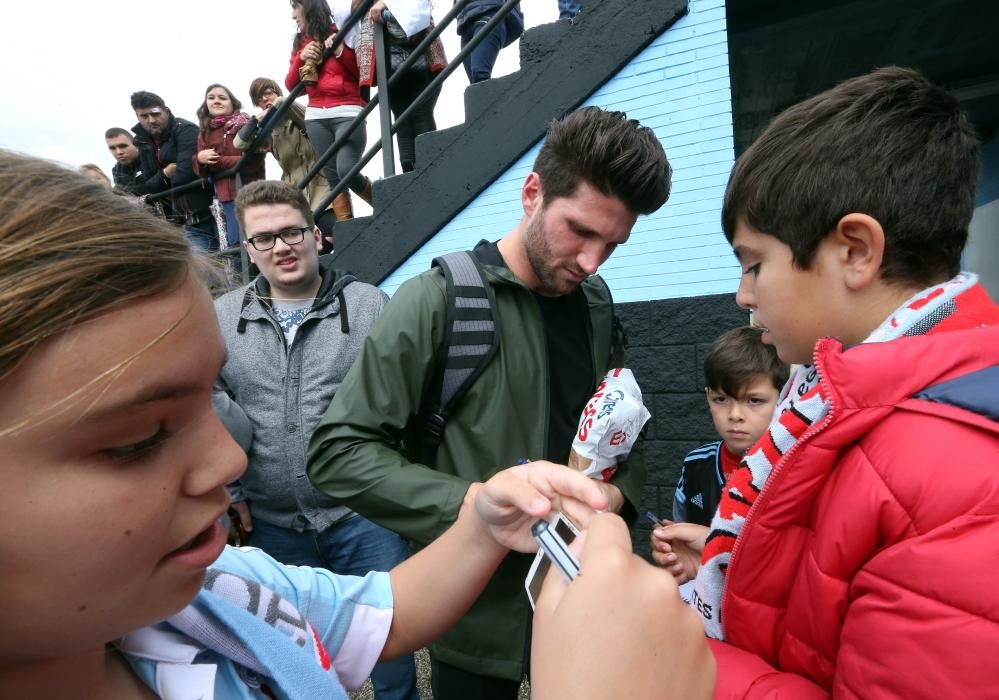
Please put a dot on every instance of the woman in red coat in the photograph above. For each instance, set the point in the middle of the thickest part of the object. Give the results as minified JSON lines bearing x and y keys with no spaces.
{"x":334,"y":97}
{"x":220,"y":120}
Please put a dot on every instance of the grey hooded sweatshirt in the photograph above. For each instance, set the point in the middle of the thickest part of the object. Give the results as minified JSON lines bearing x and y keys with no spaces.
{"x":285,"y":391}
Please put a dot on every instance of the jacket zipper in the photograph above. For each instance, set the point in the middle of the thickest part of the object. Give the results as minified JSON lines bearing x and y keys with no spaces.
{"x":540,"y":322}
{"x":781,"y":463}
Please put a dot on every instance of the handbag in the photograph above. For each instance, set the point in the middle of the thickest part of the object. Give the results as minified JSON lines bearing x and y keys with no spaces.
{"x":401,"y":47}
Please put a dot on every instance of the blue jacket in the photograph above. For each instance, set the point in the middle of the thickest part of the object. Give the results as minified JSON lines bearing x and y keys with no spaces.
{"x":476,"y":9}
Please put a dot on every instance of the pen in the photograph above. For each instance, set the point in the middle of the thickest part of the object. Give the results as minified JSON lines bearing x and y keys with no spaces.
{"x":651,"y":516}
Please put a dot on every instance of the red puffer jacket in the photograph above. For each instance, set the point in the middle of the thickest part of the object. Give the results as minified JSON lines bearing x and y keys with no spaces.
{"x":338,"y":79}
{"x":867,"y":568}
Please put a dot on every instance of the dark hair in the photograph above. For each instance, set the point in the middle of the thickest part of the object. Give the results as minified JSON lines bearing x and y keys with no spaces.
{"x":318,"y":21}
{"x":739,"y":356}
{"x":888,"y":144}
{"x":145,"y":100}
{"x":616,"y":155}
{"x":204,"y":118}
{"x":259,"y":86}
{"x":118,"y":131}
{"x":271,"y":192}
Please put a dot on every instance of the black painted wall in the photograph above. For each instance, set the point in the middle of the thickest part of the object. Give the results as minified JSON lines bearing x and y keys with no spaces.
{"x":666,"y":344}
{"x":561,"y":65}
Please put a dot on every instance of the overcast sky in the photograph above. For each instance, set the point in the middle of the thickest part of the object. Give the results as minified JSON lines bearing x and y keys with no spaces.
{"x":64,"y":87}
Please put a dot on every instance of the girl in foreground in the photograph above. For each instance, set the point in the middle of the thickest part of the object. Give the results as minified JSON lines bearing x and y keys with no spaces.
{"x":115,"y":581}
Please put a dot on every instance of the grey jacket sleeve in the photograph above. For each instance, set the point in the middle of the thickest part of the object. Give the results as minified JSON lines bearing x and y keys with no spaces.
{"x":233,"y":418}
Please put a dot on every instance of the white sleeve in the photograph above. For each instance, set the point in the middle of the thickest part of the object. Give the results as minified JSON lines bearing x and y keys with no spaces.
{"x":341,"y":11}
{"x":412,"y":15}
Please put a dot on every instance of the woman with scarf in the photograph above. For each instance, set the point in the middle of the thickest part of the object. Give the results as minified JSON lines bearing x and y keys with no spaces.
{"x":334,"y":97}
{"x":220,"y":121}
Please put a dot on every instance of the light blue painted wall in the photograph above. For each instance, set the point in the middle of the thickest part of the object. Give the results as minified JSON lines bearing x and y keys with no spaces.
{"x":982,"y":253}
{"x":679,"y":87}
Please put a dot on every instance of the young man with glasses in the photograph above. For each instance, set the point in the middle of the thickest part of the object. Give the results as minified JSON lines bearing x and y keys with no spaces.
{"x":167,"y":145}
{"x":290,"y":338}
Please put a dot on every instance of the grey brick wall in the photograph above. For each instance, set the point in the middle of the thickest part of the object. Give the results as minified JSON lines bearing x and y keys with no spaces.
{"x":666,"y":343}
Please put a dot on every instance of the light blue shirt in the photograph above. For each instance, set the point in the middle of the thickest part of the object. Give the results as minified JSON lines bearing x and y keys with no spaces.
{"x":350,"y":616}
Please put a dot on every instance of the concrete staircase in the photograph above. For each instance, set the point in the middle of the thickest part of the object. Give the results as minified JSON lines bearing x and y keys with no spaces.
{"x":561,"y":65}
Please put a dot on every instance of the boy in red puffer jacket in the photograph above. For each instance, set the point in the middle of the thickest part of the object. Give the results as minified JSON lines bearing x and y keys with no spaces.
{"x":852,"y":552}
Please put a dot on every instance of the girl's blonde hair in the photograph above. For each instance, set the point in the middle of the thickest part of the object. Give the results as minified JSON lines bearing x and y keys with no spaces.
{"x":71,"y":250}
{"x":94,"y":172}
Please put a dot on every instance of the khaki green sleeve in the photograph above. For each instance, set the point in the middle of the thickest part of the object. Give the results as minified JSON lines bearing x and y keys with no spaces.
{"x":353,"y":453}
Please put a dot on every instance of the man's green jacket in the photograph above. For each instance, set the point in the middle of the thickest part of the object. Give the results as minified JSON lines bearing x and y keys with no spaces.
{"x":355,"y":457}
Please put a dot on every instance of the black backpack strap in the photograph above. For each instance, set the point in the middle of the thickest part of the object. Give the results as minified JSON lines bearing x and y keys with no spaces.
{"x":619,"y":336}
{"x":471,"y":338}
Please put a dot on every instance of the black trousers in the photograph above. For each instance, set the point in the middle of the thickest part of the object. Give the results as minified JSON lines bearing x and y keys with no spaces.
{"x":451,"y":683}
{"x":421,"y":121}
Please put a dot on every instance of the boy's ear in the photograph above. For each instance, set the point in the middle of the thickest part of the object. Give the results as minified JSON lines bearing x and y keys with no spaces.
{"x":860,"y":244}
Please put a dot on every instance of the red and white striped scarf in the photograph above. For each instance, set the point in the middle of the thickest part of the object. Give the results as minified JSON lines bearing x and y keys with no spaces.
{"x":803,"y":403}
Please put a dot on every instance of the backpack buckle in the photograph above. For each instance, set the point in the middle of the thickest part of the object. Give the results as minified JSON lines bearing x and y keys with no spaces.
{"x":435,"y":427}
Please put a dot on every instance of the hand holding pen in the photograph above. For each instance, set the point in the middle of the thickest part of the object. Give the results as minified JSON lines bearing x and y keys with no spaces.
{"x":677,"y":547}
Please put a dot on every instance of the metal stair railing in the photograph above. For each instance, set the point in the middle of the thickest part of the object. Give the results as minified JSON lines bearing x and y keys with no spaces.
{"x":272,"y":119}
{"x":380,"y":99}
{"x":388,"y":131}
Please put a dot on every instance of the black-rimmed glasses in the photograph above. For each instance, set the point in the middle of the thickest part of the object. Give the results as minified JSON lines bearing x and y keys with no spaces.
{"x":290,"y":236}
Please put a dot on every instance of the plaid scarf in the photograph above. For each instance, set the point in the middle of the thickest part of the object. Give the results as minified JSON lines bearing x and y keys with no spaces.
{"x":803,"y":403}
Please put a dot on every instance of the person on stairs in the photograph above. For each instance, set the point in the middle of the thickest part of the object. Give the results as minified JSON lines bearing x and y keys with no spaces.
{"x":334,"y":98}
{"x":289,"y":143}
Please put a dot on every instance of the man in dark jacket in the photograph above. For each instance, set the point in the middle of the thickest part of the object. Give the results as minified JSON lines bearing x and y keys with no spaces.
{"x":290,"y":338}
{"x":127,"y":171}
{"x":554,"y":317}
{"x":167,"y":146}
{"x":472,"y":20}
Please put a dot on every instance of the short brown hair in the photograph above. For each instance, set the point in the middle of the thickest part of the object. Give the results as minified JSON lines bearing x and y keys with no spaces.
{"x":118,"y":131}
{"x":889,"y":144}
{"x":264,"y":192}
{"x":614,"y":154}
{"x":261,"y":85}
{"x":145,"y":100}
{"x":739,"y":356}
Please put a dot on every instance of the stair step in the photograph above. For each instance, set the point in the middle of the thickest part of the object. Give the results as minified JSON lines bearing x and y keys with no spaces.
{"x":479,"y":98}
{"x":560,"y":65}
{"x":433,"y":143}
